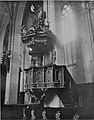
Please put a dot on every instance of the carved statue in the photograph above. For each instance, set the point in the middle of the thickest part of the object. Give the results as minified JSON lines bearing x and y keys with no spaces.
{"x":24,"y":115}
{"x":44,"y":115}
{"x":32,"y":115}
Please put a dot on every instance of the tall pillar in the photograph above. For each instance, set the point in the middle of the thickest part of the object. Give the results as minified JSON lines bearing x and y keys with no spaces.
{"x":51,"y":15}
{"x":4,"y":23}
{"x":88,"y":50}
{"x":21,"y":65}
{"x":55,"y":18}
{"x":45,"y":5}
{"x":11,"y":94}
{"x":22,"y":60}
{"x":4,"y":20}
{"x":49,"y":8}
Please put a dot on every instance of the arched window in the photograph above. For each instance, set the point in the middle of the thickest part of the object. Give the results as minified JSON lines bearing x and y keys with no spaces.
{"x":69,"y":30}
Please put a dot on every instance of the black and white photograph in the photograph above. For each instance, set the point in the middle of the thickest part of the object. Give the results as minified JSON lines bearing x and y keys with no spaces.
{"x":47,"y":60}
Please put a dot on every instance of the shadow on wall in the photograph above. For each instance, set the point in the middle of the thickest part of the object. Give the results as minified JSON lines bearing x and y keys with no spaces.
{"x":86,"y":90}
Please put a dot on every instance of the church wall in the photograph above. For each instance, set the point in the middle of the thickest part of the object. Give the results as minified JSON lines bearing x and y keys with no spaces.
{"x":86,"y":42}
{"x":82,"y":68}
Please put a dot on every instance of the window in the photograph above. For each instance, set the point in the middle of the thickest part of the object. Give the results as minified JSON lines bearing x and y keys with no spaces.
{"x":69,"y":30}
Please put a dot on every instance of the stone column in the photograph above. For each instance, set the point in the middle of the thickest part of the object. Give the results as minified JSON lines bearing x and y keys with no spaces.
{"x":22,"y":78}
{"x":4,"y":23}
{"x":49,"y":8}
{"x":11,"y":94}
{"x":45,"y":2}
{"x":51,"y":15}
{"x":55,"y":19}
{"x":88,"y":50}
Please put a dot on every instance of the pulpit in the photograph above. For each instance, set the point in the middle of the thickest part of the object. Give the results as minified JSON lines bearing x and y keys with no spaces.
{"x":51,"y":76}
{"x":46,"y":83}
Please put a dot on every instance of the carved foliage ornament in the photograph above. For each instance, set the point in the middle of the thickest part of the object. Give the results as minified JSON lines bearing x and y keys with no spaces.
{"x":39,"y":29}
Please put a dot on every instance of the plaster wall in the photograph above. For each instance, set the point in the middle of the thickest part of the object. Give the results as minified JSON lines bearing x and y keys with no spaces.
{"x":82,"y":68}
